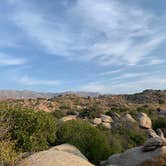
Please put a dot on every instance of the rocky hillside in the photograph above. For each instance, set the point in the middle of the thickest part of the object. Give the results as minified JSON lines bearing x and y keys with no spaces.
{"x":25,"y":94}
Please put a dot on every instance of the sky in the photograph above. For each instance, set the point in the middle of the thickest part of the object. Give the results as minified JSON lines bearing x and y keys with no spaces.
{"x":106,"y":46}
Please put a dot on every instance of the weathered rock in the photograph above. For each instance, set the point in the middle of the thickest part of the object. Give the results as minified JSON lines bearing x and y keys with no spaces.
{"x":97,"y":121}
{"x":151,"y":133}
{"x":63,"y":155}
{"x":144,"y":121}
{"x":128,"y":118}
{"x":160,"y":133}
{"x":69,"y":117}
{"x":135,"y":157}
{"x":106,"y":118}
{"x":107,"y":125}
{"x":153,"y":143}
{"x":115,"y":116}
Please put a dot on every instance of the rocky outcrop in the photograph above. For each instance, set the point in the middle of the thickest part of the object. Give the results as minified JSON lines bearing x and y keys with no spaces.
{"x":152,"y":153}
{"x":63,"y":155}
{"x":135,"y":157}
{"x":153,"y":143}
{"x":144,"y":121}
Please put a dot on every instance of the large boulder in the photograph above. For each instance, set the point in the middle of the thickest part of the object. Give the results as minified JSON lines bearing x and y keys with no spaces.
{"x":144,"y":121}
{"x":135,"y":157}
{"x":63,"y":155}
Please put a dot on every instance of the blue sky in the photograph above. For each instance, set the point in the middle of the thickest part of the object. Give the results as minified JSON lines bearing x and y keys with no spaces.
{"x":107,"y":46}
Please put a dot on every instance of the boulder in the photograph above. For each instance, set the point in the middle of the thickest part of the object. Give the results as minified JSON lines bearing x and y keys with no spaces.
{"x":153,"y":143}
{"x":106,"y":118}
{"x":128,"y":118}
{"x":63,"y":155}
{"x":69,"y":117}
{"x":107,"y":125}
{"x":115,"y":116}
{"x":144,"y":121}
{"x":97,"y":121}
{"x":135,"y":157}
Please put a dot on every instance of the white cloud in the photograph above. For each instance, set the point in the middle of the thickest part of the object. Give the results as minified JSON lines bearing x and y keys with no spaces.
{"x":149,"y":82}
{"x":11,"y":60}
{"x":25,"y":80}
{"x":94,"y":87}
{"x":106,"y":31}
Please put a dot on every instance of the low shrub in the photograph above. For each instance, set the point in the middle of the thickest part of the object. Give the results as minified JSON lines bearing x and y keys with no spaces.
{"x":89,"y":140}
{"x":32,"y":131}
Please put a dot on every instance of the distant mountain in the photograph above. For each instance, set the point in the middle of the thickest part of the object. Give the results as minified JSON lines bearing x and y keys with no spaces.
{"x":25,"y":94}
{"x":147,"y":96}
{"x":15,"y":94}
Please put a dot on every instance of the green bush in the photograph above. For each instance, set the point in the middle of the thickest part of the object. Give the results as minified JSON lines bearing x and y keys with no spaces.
{"x":89,"y":140}
{"x":160,"y":123}
{"x":7,"y":147}
{"x":32,"y":131}
{"x":91,"y":112}
{"x":126,"y":138}
{"x":59,"y":114}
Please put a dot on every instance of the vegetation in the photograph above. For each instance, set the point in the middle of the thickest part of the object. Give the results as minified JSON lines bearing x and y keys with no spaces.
{"x":123,"y":138}
{"x":25,"y":131}
{"x":92,"y":142}
{"x":29,"y":130}
{"x":91,"y":112}
{"x":7,"y":148}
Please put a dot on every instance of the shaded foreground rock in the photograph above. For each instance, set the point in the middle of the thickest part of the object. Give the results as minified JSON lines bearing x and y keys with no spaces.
{"x":154,"y":143}
{"x":152,"y":153}
{"x":135,"y":157}
{"x":62,"y":155}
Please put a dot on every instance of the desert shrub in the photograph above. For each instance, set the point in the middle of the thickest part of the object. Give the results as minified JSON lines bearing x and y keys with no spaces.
{"x":161,"y":101}
{"x":117,"y":109}
{"x":32,"y":131}
{"x":7,"y":147}
{"x":91,"y":112}
{"x":8,"y":154}
{"x":126,"y":138}
{"x":89,"y":140}
{"x":72,"y":112}
{"x":59,"y":114}
{"x":160,"y":123}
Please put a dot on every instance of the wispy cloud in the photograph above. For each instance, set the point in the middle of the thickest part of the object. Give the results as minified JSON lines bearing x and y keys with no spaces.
{"x":107,"y":32}
{"x":106,"y":73}
{"x":11,"y":60}
{"x":149,"y":82}
{"x":26,"y":80}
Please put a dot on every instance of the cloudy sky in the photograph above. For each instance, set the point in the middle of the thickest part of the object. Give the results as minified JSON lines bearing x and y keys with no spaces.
{"x":107,"y":46}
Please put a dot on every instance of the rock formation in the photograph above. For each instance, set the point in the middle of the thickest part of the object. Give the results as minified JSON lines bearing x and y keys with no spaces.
{"x":63,"y":155}
{"x":152,"y":153}
{"x":144,"y":121}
